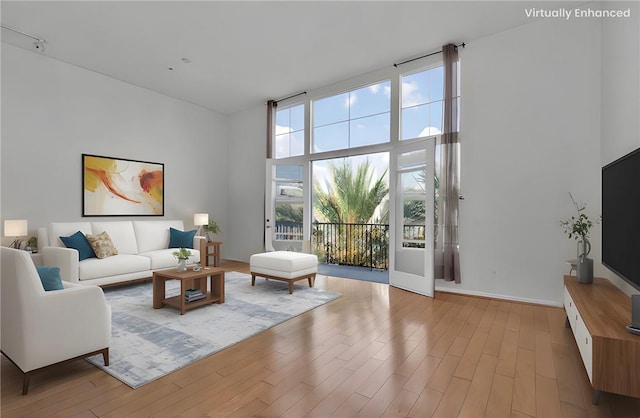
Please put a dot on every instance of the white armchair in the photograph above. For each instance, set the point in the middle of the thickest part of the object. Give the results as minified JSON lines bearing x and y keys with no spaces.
{"x":41,"y":328}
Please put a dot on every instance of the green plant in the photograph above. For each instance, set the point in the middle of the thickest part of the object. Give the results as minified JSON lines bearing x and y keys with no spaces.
{"x":212,"y":226}
{"x":182,"y":254}
{"x":578,"y":226}
{"x":33,"y":243}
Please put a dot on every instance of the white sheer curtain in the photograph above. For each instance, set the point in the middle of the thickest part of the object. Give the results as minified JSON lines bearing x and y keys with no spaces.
{"x":447,"y":244}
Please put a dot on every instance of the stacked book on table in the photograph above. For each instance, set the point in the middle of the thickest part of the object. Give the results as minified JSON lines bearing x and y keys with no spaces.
{"x":191,"y":295}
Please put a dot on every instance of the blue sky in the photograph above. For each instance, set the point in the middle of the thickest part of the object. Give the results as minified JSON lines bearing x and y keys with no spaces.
{"x":362,"y":117}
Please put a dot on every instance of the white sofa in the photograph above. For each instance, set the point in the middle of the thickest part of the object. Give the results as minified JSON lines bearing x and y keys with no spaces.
{"x":142,"y":248}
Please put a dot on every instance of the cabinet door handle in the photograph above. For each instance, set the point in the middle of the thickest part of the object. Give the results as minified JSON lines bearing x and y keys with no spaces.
{"x":586,"y":341}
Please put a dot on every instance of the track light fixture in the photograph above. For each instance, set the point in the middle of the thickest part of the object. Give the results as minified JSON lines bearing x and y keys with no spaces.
{"x":38,"y":43}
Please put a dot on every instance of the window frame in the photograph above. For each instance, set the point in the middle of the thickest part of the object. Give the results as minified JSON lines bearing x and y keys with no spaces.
{"x":392,"y":74}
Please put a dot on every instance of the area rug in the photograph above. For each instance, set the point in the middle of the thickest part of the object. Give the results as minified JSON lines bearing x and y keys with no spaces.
{"x":148,"y":343}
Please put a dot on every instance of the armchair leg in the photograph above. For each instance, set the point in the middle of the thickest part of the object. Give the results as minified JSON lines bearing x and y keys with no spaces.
{"x":105,"y":356}
{"x":25,"y":382}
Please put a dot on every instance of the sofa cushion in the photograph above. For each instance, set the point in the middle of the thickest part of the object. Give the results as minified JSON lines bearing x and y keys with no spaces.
{"x":162,"y":259}
{"x":79,"y":242}
{"x":154,"y":235}
{"x":121,"y":233}
{"x":181,"y":239}
{"x":113,"y":266}
{"x":50,"y":278}
{"x":102,"y":245}
{"x":64,"y":229}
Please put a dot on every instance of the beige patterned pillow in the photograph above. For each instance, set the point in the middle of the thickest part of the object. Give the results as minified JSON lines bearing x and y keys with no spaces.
{"x":102,"y":245}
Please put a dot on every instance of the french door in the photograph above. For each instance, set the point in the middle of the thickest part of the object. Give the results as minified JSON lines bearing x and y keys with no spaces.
{"x":287,"y":214}
{"x":411,"y":261}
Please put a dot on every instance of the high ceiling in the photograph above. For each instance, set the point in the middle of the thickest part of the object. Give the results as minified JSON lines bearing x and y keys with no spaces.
{"x":244,"y":53}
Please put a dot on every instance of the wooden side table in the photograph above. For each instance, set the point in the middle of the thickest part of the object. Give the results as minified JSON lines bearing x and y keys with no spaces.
{"x":205,"y":254}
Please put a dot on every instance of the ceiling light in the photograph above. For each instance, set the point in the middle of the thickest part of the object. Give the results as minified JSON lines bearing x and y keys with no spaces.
{"x":186,"y":60}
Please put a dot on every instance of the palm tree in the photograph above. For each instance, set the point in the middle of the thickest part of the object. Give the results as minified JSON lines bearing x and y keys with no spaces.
{"x":351,"y":196}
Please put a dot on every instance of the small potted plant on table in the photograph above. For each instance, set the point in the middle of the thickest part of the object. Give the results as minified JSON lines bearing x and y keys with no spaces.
{"x":578,"y":227}
{"x":212,"y":228}
{"x":182,"y":255}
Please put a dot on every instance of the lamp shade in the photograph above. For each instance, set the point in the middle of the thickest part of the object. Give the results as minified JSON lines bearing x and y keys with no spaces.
{"x":15,"y":228}
{"x":201,"y":219}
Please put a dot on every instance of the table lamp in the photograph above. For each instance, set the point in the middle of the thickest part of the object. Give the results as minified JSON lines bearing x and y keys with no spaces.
{"x":200,"y":219}
{"x":15,"y":228}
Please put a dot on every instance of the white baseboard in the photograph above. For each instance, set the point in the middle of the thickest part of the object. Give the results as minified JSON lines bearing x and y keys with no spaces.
{"x":552,"y":303}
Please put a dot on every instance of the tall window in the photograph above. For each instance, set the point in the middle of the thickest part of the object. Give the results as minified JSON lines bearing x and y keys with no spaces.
{"x":289,"y":135}
{"x":422,"y":101}
{"x":352,"y":119}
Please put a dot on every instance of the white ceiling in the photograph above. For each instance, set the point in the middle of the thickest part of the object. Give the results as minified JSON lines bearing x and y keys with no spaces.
{"x":244,"y":53}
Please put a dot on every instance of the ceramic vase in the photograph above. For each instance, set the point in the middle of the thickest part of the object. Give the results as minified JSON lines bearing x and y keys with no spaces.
{"x":584,"y":268}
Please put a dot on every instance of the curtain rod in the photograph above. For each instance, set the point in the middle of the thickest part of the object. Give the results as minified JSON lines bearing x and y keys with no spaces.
{"x":395,"y":65}
{"x":424,"y":56}
{"x":23,"y":33}
{"x":290,"y":97}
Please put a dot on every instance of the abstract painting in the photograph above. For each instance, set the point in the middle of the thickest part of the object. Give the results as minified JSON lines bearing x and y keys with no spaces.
{"x":121,"y":187}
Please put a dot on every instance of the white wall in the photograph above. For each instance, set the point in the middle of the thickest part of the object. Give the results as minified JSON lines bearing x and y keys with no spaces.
{"x":620,"y":93}
{"x":53,"y":112}
{"x":247,"y":153}
{"x":530,"y":135}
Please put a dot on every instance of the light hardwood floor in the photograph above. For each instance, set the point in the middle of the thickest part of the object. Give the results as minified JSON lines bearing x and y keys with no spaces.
{"x":376,"y":351}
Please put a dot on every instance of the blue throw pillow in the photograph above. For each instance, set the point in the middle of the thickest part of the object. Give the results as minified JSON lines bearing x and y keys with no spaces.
{"x":50,"y":278}
{"x":80,"y":243}
{"x":181,"y":239}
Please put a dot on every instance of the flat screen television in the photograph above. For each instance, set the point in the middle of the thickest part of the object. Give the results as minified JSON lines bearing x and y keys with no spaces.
{"x":621,"y":217}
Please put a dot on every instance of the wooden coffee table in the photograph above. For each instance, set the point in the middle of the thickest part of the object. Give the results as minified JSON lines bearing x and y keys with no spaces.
{"x":188,"y":280}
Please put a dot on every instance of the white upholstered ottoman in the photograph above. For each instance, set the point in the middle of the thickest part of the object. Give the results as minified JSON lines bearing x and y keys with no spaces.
{"x":286,"y":266}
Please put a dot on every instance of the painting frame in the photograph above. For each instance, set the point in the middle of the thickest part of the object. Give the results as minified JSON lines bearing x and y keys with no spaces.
{"x":113,"y":186}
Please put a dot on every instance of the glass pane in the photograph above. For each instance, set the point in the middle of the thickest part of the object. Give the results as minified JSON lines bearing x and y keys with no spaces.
{"x":288,"y":221}
{"x":297,"y":118}
{"x":291,"y":172}
{"x":422,"y":95}
{"x":288,"y":190}
{"x":436,"y":84}
{"x":331,"y":137}
{"x":414,"y":121}
{"x":413,"y":245}
{"x":413,"y":183}
{"x":412,"y":159}
{"x":370,"y":130}
{"x":435,"y":119}
{"x":370,"y":100}
{"x":413,"y":232}
{"x":415,"y":89}
{"x":282,"y":146}
{"x":331,"y":110}
{"x":296,"y":143}
{"x":289,"y":121}
{"x":283,"y":119}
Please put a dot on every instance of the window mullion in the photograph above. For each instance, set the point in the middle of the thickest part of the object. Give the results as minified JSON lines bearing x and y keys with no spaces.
{"x":395,"y":108}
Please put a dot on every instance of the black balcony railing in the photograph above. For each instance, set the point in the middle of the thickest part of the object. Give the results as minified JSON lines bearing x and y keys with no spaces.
{"x":365,"y":245}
